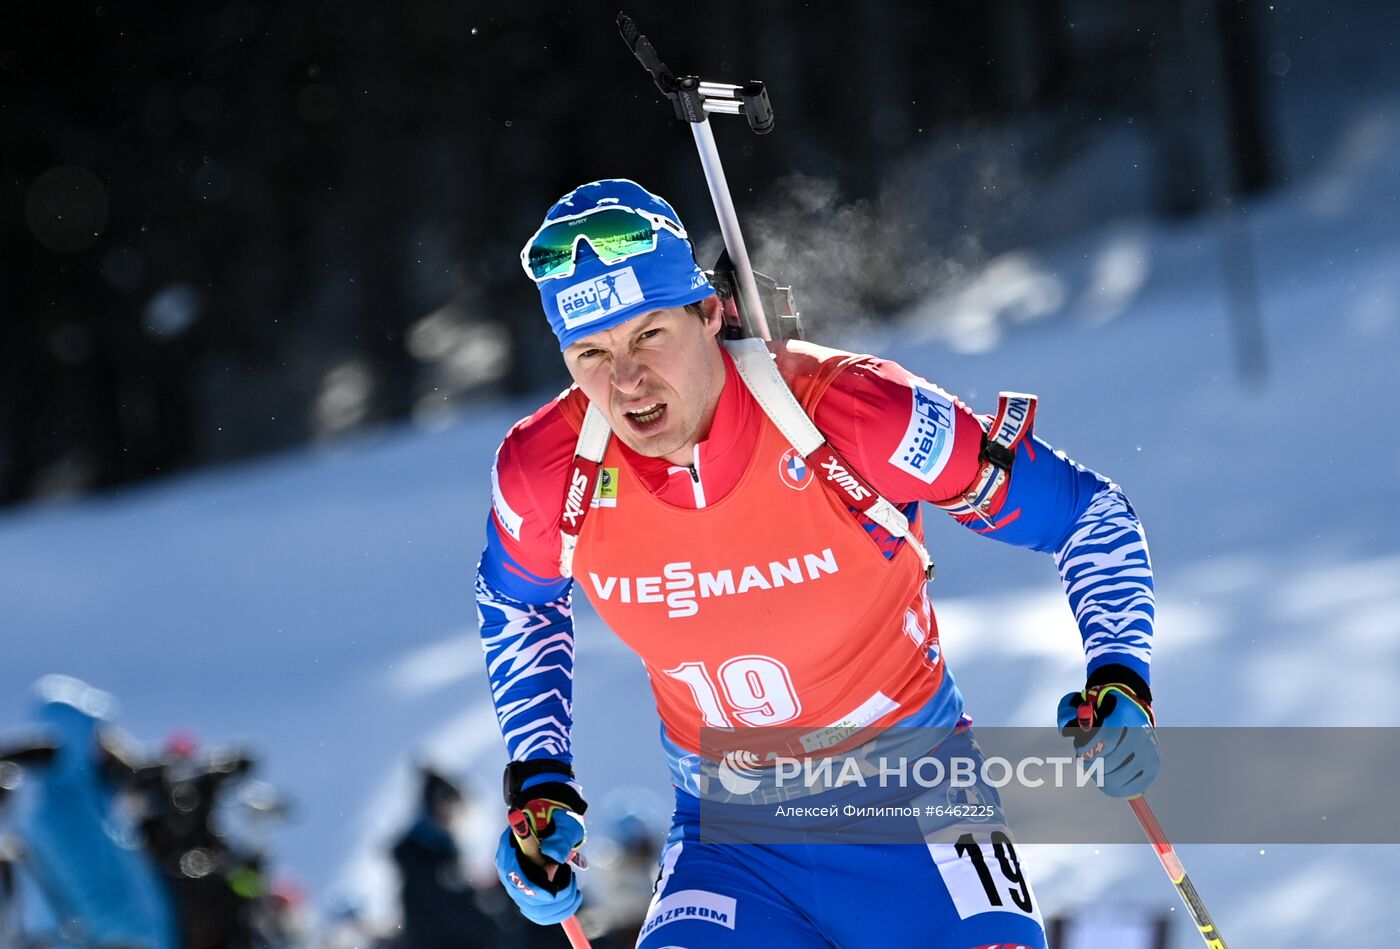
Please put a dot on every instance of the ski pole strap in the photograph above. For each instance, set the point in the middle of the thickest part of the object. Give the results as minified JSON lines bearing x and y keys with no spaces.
{"x":1087,"y":715}
{"x":760,"y":374}
{"x":518,"y":772}
{"x":593,"y":439}
{"x":1009,"y":427}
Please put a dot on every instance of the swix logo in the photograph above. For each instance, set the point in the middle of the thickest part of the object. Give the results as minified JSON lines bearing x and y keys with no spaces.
{"x":573,"y":505}
{"x":680,"y":586}
{"x":844,"y":480}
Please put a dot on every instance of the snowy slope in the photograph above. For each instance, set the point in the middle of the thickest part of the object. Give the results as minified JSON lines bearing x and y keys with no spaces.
{"x":319,"y":605}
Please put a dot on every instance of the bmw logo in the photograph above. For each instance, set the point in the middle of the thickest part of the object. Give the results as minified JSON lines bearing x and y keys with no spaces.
{"x":794,"y":470}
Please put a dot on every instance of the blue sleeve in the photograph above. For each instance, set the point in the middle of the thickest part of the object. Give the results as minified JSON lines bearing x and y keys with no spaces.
{"x":1057,"y":506}
{"x":527,"y":633}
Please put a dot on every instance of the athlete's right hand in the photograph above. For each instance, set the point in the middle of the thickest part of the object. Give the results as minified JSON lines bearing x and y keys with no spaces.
{"x":539,"y":850}
{"x":1112,"y":719}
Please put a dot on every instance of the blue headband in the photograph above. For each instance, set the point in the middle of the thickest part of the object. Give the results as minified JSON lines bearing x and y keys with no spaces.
{"x":596,"y":296}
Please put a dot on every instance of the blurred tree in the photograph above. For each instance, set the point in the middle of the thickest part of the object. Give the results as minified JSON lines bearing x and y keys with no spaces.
{"x":255,"y":223}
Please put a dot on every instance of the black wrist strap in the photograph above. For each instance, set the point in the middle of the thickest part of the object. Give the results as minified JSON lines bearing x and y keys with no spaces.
{"x":1120,"y":675}
{"x":518,"y":772}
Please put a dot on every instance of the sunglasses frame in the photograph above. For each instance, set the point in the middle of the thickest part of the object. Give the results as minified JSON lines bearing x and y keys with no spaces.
{"x":659,"y":222}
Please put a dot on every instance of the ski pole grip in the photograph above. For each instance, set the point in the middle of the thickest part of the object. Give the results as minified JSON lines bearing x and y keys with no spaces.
{"x":757,"y":108}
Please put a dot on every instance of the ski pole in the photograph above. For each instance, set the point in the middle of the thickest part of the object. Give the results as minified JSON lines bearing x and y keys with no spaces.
{"x":694,"y":100}
{"x":574,"y":931}
{"x":1172,"y":864}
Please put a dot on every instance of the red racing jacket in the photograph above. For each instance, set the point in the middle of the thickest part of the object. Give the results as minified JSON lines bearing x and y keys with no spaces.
{"x":754,"y":597}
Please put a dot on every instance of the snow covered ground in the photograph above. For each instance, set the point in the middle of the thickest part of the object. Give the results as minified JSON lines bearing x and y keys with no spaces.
{"x":319,"y":606}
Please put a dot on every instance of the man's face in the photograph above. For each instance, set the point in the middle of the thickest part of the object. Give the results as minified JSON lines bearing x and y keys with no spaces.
{"x":656,"y":378}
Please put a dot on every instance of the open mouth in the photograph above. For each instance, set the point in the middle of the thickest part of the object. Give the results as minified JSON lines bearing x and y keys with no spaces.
{"x":647,"y":417}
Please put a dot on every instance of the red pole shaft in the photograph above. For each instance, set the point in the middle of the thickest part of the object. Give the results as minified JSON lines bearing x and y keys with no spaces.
{"x":574,"y":931}
{"x":1172,"y":864}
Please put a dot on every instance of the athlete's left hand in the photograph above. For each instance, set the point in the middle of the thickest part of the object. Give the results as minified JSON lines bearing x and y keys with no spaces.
{"x":540,"y":848}
{"x":1111,"y":718}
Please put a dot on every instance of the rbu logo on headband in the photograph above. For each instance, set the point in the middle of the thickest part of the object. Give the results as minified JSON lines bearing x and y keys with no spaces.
{"x":593,"y":299}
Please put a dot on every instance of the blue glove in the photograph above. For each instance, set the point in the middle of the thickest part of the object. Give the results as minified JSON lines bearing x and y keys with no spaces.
{"x":540,"y":848}
{"x":1112,"y":719}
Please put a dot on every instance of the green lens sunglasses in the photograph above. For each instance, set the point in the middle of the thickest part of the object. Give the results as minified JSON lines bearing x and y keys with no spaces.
{"x":614,"y":232}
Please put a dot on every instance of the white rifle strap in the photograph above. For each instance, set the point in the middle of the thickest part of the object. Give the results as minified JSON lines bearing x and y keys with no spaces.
{"x":760,"y":373}
{"x":593,"y":438}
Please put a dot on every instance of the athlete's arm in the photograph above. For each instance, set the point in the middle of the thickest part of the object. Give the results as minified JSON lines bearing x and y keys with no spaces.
{"x":912,"y":441}
{"x":523,"y":605}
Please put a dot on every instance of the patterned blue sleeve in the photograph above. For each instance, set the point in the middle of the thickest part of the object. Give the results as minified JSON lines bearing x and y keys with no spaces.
{"x":1058,"y":506}
{"x":527,"y":632}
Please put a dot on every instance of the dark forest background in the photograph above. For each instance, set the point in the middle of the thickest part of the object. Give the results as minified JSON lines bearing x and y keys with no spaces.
{"x":233,"y":227}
